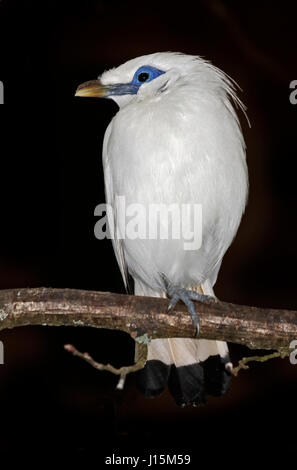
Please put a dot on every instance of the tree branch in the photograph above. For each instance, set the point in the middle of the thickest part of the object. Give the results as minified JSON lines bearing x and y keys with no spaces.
{"x":146,"y":317}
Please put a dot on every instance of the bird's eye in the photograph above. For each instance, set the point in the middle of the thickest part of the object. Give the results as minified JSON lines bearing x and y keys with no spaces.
{"x":146,"y":73}
{"x":143,"y":77}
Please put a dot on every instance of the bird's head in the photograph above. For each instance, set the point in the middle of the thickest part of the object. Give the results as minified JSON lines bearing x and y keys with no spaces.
{"x":143,"y":76}
{"x":155,"y":74}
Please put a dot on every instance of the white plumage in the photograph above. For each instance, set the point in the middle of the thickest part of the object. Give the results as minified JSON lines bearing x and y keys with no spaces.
{"x":176,"y":139}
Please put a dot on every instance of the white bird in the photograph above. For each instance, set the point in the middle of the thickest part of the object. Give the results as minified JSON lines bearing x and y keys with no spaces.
{"x":176,"y":139}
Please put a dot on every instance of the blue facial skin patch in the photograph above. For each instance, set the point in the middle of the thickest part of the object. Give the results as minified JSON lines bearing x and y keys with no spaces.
{"x":144,"y":74}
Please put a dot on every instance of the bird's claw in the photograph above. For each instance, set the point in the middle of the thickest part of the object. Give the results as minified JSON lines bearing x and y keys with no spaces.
{"x":186,"y":296}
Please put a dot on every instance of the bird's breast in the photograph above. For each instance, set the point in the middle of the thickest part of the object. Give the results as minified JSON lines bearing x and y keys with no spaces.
{"x":151,"y":154}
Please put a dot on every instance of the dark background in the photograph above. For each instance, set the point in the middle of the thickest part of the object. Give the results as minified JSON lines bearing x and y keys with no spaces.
{"x":51,"y":181}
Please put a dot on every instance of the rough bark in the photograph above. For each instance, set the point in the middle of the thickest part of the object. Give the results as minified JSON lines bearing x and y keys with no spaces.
{"x":146,"y":317}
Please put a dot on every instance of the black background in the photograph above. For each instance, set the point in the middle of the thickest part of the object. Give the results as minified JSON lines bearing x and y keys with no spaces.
{"x":51,"y":181}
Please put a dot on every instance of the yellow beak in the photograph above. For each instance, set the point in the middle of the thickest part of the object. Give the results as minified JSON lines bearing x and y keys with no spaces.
{"x":93,"y":88}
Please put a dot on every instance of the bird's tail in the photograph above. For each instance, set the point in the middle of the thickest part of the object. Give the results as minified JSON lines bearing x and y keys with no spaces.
{"x":192,"y":368}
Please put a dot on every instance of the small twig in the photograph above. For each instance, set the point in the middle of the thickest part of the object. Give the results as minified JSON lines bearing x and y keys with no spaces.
{"x":86,"y":357}
{"x":242,"y":363}
{"x":140,"y":360}
{"x":121,"y":382}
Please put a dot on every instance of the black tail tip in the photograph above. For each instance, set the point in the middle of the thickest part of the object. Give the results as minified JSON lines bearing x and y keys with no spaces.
{"x":153,"y":378}
{"x":190,"y":384}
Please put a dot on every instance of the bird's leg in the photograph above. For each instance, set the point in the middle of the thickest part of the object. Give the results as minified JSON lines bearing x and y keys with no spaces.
{"x":176,"y":293}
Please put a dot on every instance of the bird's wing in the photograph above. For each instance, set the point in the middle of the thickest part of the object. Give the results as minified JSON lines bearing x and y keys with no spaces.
{"x":112,"y":217}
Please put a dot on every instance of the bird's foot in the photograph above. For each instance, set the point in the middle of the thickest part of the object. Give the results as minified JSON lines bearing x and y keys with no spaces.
{"x":187,"y":296}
